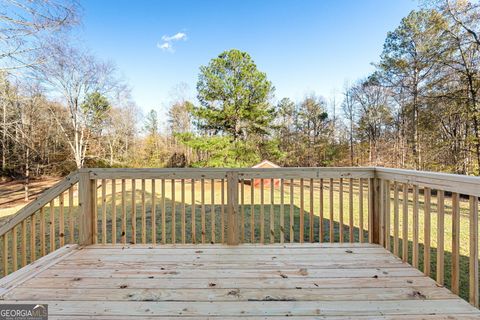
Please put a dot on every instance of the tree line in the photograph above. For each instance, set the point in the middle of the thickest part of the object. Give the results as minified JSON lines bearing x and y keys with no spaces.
{"x":64,"y":108}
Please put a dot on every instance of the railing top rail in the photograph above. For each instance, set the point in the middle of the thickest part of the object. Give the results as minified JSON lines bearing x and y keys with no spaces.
{"x":468,"y":185}
{"x":221,"y":173}
{"x":41,"y":201}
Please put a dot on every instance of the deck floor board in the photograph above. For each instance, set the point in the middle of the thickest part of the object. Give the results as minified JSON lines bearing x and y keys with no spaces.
{"x":309,"y":281}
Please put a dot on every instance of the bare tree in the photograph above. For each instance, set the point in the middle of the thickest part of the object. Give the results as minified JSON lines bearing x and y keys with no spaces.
{"x":119,"y":132}
{"x":23,"y":23}
{"x":348,"y":107}
{"x":73,"y":74}
{"x":374,"y":113}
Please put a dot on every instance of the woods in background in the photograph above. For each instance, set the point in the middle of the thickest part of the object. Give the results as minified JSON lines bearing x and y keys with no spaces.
{"x":63,"y":108}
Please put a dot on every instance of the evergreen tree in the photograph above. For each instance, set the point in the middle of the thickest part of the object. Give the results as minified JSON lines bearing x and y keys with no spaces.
{"x":234,"y":104}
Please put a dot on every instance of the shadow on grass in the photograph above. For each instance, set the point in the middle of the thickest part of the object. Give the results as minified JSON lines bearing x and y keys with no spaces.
{"x":214,"y":214}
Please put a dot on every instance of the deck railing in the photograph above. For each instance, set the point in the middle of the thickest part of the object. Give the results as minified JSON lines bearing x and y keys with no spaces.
{"x":428,"y":219}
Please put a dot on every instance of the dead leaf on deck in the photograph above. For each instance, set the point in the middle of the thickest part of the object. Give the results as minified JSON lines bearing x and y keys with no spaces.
{"x":303,"y":272}
{"x":418,"y":295}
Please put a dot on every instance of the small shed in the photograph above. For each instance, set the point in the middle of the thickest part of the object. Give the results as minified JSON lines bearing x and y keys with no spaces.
{"x":266,"y":182}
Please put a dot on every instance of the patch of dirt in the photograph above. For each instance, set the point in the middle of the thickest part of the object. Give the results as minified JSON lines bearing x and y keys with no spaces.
{"x":12,"y":192}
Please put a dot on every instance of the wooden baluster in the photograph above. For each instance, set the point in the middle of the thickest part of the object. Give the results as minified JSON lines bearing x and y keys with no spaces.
{"x":405,"y":223}
{"x":124,"y":212}
{"x":24,"y":243}
{"x":396,"y":219}
{"x":14,"y":249}
{"x":144,"y":214}
{"x":426,"y":229}
{"x":43,"y":250}
{"x":202,"y":184}
{"x":371,"y":209}
{"x":415,"y":227}
{"x":320,"y":218}
{"x":212,"y":211}
{"x":272,"y":213}
{"x":114,"y":211}
{"x":331,"y":225}
{"x":311,"y":224}
{"x":302,"y":211}
{"x":174,"y":213}
{"x":61,"y":221}
{"x":71,"y":217}
{"x":292,"y":221}
{"x":184,"y":213}
{"x":252,"y":211}
{"x":134,"y":213}
{"x":382,"y":212}
{"x":282,"y":211}
{"x":340,"y":210}
{"x":387,"y":215}
{"x":262,"y":212}
{"x":222,"y":213}
{"x":52,"y":226}
{"x":232,"y":210}
{"x":94,"y":203}
{"x":440,"y":237}
{"x":360,"y":211}
{"x":154,"y":212}
{"x":455,"y":286}
{"x":242,"y":211}
{"x":104,"y":211}
{"x":5,"y":253}
{"x":473,"y":253}
{"x":194,"y":230}
{"x":164,"y":214}
{"x":350,"y":210}
{"x":33,"y":247}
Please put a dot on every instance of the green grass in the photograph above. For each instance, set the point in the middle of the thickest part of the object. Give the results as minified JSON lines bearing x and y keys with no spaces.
{"x":246,"y":211}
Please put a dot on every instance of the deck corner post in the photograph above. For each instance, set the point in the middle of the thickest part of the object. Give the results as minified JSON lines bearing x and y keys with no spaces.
{"x":232,"y":208}
{"x":85,"y":203}
{"x":374,"y":210}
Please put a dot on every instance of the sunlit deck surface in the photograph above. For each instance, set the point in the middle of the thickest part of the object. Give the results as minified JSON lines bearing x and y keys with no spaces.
{"x":301,"y":281}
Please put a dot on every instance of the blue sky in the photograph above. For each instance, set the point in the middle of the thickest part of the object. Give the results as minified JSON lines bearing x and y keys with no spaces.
{"x":303,"y":46}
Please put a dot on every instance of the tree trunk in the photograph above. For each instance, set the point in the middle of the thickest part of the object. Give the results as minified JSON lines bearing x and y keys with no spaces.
{"x":351,"y":142}
{"x":27,"y":173}
{"x":4,"y":137}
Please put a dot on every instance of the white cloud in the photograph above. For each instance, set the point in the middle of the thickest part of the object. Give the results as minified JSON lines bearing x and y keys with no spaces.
{"x":167,"y":44}
{"x":176,"y":37}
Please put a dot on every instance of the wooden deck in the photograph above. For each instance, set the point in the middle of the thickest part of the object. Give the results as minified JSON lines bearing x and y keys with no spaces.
{"x":301,"y":281}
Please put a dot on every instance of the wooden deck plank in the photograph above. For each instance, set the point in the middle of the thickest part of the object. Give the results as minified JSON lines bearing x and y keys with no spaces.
{"x":376,"y":317}
{"x":242,"y":273}
{"x":258,"y":246}
{"x":230,"y":283}
{"x":257,"y":308}
{"x":172,"y":265}
{"x":216,"y":294}
{"x":286,"y":252}
{"x":321,"y":281}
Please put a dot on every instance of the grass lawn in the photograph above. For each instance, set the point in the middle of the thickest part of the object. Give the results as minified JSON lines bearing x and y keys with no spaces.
{"x":215,"y":190}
